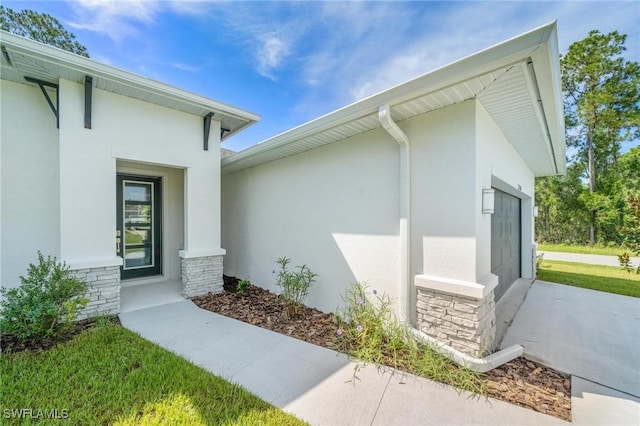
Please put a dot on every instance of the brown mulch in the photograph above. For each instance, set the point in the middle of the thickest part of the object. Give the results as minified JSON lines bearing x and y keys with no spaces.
{"x":521,"y":381}
{"x":10,"y":344}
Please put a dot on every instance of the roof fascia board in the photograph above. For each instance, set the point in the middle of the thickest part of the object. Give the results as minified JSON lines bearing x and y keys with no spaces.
{"x":84,"y":65}
{"x":501,"y":55}
{"x":547,"y":70}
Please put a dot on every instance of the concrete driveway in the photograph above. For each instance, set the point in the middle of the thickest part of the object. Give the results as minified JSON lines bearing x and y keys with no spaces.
{"x":592,"y":335}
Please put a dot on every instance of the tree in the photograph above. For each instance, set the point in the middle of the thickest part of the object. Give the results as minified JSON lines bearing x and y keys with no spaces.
{"x":602,"y":109}
{"x":40,"y":27}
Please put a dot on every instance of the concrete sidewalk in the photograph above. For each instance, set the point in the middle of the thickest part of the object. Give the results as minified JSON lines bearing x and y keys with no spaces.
{"x":593,"y":259}
{"x":313,"y":383}
{"x":592,"y":335}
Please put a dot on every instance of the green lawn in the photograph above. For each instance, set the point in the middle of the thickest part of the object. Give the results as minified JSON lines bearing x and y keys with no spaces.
{"x":109,"y":375}
{"x":586,"y":249}
{"x":594,"y":277}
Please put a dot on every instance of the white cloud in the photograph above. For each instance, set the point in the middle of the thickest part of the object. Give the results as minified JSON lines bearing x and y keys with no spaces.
{"x":117,"y":19}
{"x":185,"y":67}
{"x":270,"y":53}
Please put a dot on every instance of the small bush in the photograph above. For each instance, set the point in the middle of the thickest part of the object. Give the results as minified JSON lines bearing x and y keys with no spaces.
{"x":242,"y":287}
{"x":625,"y":262}
{"x":369,"y":332}
{"x":294,"y":284}
{"x":45,"y":303}
{"x":539,"y":261}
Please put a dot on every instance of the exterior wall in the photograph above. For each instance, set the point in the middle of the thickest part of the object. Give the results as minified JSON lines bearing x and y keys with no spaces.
{"x":127,"y":129}
{"x":201,"y":275}
{"x":443,"y":201}
{"x":172,"y":211}
{"x":499,"y":165}
{"x":29,"y":180}
{"x":467,"y":324}
{"x":103,"y":291}
{"x":58,"y":185}
{"x":334,"y":209}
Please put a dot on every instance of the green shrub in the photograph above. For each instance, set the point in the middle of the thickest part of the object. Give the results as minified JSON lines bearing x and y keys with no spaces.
{"x":367,"y":326}
{"x":539,"y":261}
{"x":45,"y":303}
{"x":294,"y":284}
{"x":242,"y":287}
{"x":368,"y":331}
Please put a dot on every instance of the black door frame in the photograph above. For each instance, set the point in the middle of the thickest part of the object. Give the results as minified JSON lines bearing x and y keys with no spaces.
{"x":156,"y":269}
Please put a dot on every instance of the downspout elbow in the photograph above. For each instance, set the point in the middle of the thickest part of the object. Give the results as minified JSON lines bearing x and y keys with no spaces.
{"x":384,"y":115}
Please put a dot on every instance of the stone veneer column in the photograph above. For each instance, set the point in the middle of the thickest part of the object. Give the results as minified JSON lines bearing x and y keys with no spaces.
{"x":201,"y":275}
{"x":465,"y":323}
{"x":103,"y":290}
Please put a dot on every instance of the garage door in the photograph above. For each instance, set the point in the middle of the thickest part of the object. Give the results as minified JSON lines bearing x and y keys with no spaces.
{"x":505,"y":241}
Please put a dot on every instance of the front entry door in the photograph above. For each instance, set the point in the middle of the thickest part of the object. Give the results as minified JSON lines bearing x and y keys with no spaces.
{"x":139,"y":222}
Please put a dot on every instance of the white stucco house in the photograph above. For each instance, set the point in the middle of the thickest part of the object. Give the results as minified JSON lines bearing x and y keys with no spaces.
{"x":423,"y":191}
{"x":115,"y":174}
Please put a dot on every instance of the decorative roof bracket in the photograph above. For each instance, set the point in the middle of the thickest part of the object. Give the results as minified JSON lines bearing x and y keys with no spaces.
{"x":207,"y":129}
{"x":42,"y":84}
{"x":88,"y":91}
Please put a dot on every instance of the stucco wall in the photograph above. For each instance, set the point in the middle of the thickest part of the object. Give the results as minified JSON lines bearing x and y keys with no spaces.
{"x":499,"y":165}
{"x":59,"y":186}
{"x":443,"y":202}
{"x":334,"y":208}
{"x":127,"y":129}
{"x":29,"y":180}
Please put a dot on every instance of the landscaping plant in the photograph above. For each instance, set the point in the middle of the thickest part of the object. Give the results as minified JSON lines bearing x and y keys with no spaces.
{"x":294,"y":284}
{"x":46,"y":302}
{"x":242,"y":288}
{"x":631,"y":232}
{"x":368,"y":331}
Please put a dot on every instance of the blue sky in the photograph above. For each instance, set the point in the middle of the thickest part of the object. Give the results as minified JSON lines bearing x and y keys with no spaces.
{"x":291,"y":62}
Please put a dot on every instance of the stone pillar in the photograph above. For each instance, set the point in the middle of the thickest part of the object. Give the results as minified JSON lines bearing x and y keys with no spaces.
{"x":464,"y":319}
{"x":201,"y":275}
{"x":103,"y":290}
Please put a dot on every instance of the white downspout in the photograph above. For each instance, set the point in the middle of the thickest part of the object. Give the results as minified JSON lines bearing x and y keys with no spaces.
{"x":384,"y":115}
{"x":481,"y":365}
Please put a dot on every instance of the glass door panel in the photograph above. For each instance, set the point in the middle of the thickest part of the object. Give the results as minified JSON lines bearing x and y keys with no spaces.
{"x":139,"y":225}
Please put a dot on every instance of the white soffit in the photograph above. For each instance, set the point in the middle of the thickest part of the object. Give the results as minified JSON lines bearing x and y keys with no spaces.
{"x":511,"y":106}
{"x":494,"y":76}
{"x":25,"y":58}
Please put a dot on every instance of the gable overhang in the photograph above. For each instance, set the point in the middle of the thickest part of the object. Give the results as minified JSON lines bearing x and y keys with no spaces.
{"x":517,"y":81}
{"x":23,"y":61}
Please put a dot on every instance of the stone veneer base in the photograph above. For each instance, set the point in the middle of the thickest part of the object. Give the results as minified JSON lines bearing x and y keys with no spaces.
{"x":103,"y":285}
{"x":464,"y":323}
{"x":201,"y":275}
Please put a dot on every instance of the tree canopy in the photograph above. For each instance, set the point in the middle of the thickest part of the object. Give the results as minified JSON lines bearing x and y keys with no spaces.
{"x":40,"y":27}
{"x":602,"y":110}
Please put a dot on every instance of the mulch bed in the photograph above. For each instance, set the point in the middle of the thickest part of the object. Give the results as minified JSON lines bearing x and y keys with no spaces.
{"x":521,"y":381}
{"x":10,"y":344}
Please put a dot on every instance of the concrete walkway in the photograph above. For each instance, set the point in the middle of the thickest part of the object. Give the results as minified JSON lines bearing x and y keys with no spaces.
{"x":313,"y":383}
{"x":593,"y":259}
{"x":592,"y":335}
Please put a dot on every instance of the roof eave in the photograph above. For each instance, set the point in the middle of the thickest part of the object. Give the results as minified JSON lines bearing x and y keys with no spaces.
{"x":86,"y":65}
{"x":514,"y":50}
{"x":547,"y":69}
